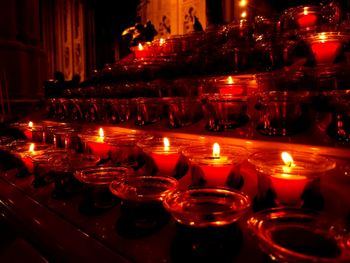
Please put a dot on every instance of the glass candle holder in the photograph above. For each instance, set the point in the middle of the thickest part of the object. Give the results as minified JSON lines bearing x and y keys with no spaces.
{"x":33,"y":131}
{"x":284,"y":178}
{"x":66,"y":138}
{"x":76,"y":110}
{"x":63,"y":168}
{"x":215,"y":165}
{"x":183,"y":111}
{"x":296,"y":235}
{"x":326,"y":46}
{"x":120,"y":110}
{"x":304,"y":18}
{"x":43,"y":166}
{"x":148,"y":110}
{"x":164,"y":153}
{"x":97,"y":142}
{"x":27,"y":151}
{"x":97,"y":197}
{"x":205,"y":207}
{"x":142,"y":198}
{"x":283,"y":113}
{"x":225,"y":111}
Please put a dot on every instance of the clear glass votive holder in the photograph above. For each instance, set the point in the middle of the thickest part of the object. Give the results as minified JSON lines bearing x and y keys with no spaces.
{"x":283,"y":113}
{"x":148,"y":110}
{"x":76,"y":110}
{"x":43,"y":165}
{"x":96,"y":180}
{"x":120,"y":110}
{"x":295,"y":182}
{"x":66,"y":138}
{"x":164,"y":154}
{"x":206,"y":207}
{"x":302,"y":18}
{"x":183,"y":111}
{"x":63,"y":168}
{"x":218,"y":170}
{"x":225,"y":111}
{"x":27,"y":151}
{"x":326,"y":47}
{"x":297,"y":235}
{"x":99,"y":144}
{"x":142,"y":198}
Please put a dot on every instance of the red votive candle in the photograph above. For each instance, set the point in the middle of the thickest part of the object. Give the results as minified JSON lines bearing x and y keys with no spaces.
{"x":288,"y":175}
{"x":141,"y":51}
{"x":27,"y":151}
{"x":230,"y":86}
{"x":165,"y":153}
{"x":307,"y":20}
{"x":326,"y":46}
{"x":216,"y":162}
{"x":97,"y":145}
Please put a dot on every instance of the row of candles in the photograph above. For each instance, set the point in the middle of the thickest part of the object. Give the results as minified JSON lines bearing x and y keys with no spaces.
{"x":325,"y":46}
{"x":217,"y":165}
{"x":213,"y":203}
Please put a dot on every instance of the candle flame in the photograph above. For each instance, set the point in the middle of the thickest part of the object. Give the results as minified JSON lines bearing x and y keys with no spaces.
{"x":166,"y":144}
{"x":140,"y":47}
{"x":31,"y":147}
{"x":244,"y":14}
{"x":322,"y":36}
{"x":305,"y":11}
{"x":30,"y":124}
{"x":288,"y":162}
{"x":243,"y":3}
{"x":161,"y":41}
{"x":101,"y":133}
{"x":216,"y":150}
{"x":230,"y":80}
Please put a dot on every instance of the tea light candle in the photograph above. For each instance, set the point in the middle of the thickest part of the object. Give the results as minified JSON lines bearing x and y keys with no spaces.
{"x":216,"y":162}
{"x":216,"y":167}
{"x":33,"y":133}
{"x":98,"y":146}
{"x":27,"y":154}
{"x":230,"y":86}
{"x":306,"y":19}
{"x":140,"y":51}
{"x":165,"y":157}
{"x":326,"y":47}
{"x":288,"y":185}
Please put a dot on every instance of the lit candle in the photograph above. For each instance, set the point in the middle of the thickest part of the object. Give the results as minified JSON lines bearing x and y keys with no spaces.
{"x":165,"y":157}
{"x":230,"y":86}
{"x":27,"y":157}
{"x":287,"y":182}
{"x":325,"y":47}
{"x":306,"y":19}
{"x":33,"y":133}
{"x":216,"y":168}
{"x":140,"y":51}
{"x":97,"y":144}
